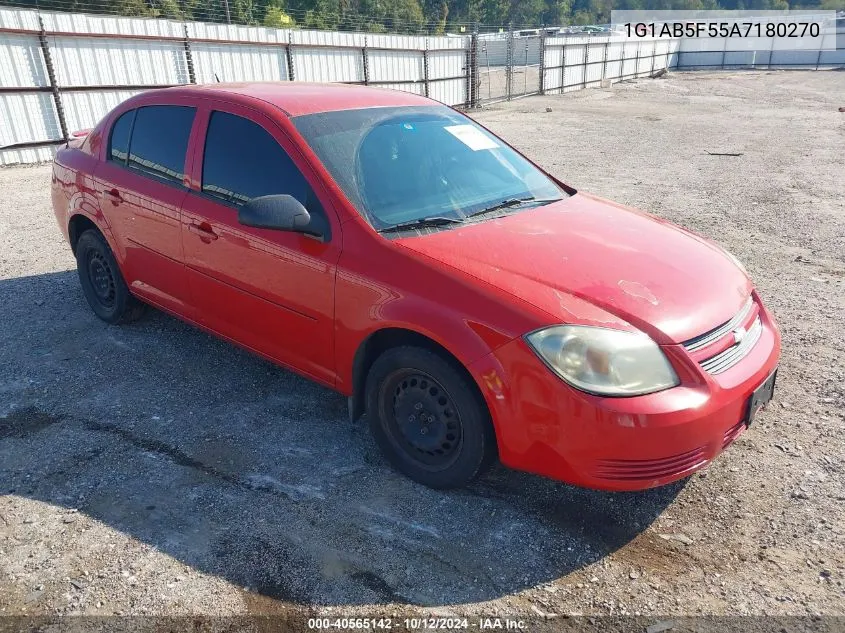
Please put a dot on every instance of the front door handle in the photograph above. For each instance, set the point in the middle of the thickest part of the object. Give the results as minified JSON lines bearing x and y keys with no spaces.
{"x":204,"y":230}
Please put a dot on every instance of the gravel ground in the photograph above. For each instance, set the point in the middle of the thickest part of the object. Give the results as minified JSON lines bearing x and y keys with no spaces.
{"x":151,"y":469}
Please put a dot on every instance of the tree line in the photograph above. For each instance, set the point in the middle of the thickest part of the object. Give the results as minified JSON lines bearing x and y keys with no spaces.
{"x":402,"y":16}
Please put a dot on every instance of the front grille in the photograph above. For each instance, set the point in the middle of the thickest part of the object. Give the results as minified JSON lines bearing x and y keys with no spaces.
{"x":639,"y":469}
{"x":731,"y":356}
{"x":726,"y":356}
{"x":715,"y":334}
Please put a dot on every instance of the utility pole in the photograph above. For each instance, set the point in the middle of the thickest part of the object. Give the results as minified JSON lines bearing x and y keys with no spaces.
{"x":228,"y":16}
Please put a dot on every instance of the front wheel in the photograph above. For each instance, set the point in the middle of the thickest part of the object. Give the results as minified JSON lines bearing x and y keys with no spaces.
{"x":430,"y":422}
{"x":102,"y":283}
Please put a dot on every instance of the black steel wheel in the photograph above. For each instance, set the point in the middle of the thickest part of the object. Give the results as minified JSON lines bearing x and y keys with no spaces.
{"x":101,"y":276}
{"x":101,"y":280}
{"x":431,"y":423}
{"x":422,"y":417}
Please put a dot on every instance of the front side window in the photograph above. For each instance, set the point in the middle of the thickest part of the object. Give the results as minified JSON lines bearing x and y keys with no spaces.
{"x":403,"y":164}
{"x":160,"y":140}
{"x":243,"y":161}
{"x":119,"y":141}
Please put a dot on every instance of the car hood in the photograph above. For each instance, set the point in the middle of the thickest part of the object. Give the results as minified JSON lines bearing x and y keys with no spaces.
{"x":592,"y":261}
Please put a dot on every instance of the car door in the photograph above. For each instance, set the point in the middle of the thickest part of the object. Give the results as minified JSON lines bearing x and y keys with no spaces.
{"x":141,"y":183}
{"x":269,"y":290}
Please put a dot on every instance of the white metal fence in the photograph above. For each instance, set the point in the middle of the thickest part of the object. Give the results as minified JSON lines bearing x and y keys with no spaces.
{"x":61,"y":72}
{"x":772,"y":53}
{"x":572,"y":64}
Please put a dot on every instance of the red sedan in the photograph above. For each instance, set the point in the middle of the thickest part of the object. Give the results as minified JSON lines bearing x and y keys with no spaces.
{"x":392,"y":249}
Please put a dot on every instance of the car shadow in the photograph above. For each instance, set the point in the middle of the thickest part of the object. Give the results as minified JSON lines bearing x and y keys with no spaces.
{"x":248,"y":472}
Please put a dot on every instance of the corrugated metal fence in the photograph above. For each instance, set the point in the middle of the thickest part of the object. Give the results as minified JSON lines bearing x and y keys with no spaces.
{"x":562,"y":63}
{"x":61,"y":72}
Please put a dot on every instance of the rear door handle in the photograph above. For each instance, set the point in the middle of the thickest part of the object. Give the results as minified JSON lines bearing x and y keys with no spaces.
{"x":113,"y":195}
{"x":204,"y":230}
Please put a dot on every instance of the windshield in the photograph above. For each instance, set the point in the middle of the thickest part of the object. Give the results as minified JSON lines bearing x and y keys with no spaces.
{"x":400,"y":165}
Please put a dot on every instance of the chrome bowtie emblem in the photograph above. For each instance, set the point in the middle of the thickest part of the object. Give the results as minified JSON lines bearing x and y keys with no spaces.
{"x":739,"y":334}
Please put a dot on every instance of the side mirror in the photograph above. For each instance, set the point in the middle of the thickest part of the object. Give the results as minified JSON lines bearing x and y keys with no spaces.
{"x":279,"y":212}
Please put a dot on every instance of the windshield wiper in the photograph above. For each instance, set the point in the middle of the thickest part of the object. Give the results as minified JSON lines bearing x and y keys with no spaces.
{"x":441,"y":220}
{"x":511,"y":202}
{"x":421,"y":223}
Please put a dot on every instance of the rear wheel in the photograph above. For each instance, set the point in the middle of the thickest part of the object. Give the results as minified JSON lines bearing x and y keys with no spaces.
{"x":429,"y":421}
{"x":103,"y":285}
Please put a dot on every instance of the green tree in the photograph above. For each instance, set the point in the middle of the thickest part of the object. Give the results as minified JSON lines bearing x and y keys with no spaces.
{"x":275,"y":17}
{"x":406,"y":16}
{"x":169,"y":9}
{"x":494,"y":12}
{"x":525,"y":12}
{"x":556,"y":12}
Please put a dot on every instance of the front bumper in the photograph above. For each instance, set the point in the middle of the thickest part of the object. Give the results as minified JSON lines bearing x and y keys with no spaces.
{"x":546,"y":427}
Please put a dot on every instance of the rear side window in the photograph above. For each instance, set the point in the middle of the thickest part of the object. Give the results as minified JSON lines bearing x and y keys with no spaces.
{"x":243,"y":161}
{"x":119,"y":142}
{"x":160,"y":140}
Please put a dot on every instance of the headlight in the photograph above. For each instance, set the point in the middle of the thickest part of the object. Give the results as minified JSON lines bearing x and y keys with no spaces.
{"x":602,"y":361}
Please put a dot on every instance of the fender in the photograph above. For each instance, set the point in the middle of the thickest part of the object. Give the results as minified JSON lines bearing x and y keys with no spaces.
{"x":374,"y":300}
{"x":75,"y":190}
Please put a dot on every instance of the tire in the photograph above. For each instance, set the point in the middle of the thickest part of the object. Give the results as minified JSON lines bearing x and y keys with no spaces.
{"x":103,"y":285}
{"x":428,"y":420}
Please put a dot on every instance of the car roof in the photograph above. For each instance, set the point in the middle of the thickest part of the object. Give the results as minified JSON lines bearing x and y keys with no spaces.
{"x":297,"y":98}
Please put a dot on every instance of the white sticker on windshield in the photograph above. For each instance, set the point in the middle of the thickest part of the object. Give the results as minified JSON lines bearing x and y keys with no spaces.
{"x":472,"y":137}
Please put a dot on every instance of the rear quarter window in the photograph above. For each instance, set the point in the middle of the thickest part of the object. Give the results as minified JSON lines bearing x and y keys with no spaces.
{"x":160,"y":140}
{"x":119,"y":139}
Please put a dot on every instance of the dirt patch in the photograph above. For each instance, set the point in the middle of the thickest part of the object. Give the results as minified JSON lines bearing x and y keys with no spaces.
{"x":23,"y":422}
